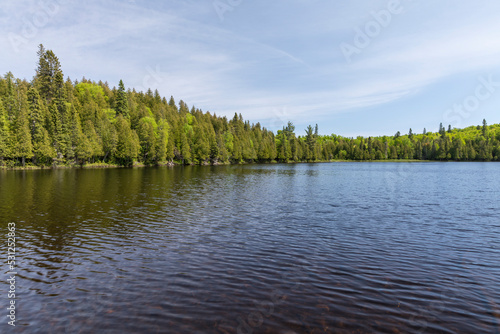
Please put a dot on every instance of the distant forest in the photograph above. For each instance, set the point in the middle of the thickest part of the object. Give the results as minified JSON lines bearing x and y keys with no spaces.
{"x":55,"y":122}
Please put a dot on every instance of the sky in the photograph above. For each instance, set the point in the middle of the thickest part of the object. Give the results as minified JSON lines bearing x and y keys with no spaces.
{"x":353,"y":67}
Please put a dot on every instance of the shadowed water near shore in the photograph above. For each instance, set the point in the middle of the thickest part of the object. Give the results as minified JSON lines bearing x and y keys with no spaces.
{"x":307,"y":248}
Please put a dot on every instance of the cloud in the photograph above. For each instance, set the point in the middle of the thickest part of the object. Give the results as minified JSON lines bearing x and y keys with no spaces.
{"x":265,"y":56}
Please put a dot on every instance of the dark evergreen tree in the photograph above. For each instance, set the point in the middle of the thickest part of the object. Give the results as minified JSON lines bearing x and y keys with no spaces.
{"x":22,"y":148}
{"x":121,"y":103}
{"x":4,"y":133}
{"x":43,"y":150}
{"x":47,"y":69}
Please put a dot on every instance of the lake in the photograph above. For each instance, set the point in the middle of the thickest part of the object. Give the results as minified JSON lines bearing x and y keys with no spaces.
{"x":304,"y":248}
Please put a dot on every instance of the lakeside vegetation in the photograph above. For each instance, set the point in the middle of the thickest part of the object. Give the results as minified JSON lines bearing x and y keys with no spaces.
{"x":55,"y":122}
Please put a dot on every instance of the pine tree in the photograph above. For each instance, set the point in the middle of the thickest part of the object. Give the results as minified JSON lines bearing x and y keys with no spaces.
{"x":4,"y":133}
{"x":311,"y":141}
{"x":42,"y":148}
{"x":109,"y":137}
{"x":147,"y":139}
{"x":283,"y":146}
{"x":127,"y":146}
{"x":185,"y":149}
{"x":9,"y":99}
{"x":161,"y":141}
{"x":48,"y":68}
{"x":37,"y":111}
{"x":201,"y":146}
{"x":74,"y":134}
{"x":94,"y":141}
{"x":484,"y":129}
{"x":170,"y":147}
{"x":83,"y":149}
{"x":442,"y":130}
{"x":172,"y":104}
{"x":121,"y":103}
{"x":59,"y":138}
{"x":214,"y":147}
{"x":22,"y":147}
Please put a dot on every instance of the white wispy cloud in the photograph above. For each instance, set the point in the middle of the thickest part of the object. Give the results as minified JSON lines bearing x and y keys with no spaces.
{"x":263,"y":56}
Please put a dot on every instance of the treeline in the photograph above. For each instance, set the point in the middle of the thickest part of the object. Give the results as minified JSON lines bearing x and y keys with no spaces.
{"x":51,"y":121}
{"x":475,"y":143}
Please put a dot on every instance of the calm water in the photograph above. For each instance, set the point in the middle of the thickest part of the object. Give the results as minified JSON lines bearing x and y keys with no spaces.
{"x":323,"y":248}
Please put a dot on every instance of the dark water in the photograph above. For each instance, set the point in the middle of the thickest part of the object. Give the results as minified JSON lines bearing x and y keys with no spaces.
{"x":324,"y":248}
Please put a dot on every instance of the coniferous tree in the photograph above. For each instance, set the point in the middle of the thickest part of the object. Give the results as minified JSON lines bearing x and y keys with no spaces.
{"x":185,"y":149}
{"x":121,"y":103}
{"x":94,"y":141}
{"x":311,"y":141}
{"x":109,"y":137}
{"x":147,"y":139}
{"x":4,"y":133}
{"x":442,"y":130}
{"x":485,"y":129}
{"x":9,"y":99}
{"x":83,"y":150}
{"x":127,"y":146}
{"x":201,"y":146}
{"x":161,"y":146}
{"x":43,"y":151}
{"x":47,"y":69}
{"x":22,"y":147}
{"x":170,"y":155}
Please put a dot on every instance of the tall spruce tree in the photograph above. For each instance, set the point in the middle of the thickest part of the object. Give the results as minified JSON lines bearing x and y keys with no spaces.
{"x":47,"y":69}
{"x":42,"y":149}
{"x":22,"y":147}
{"x":121,"y":103}
{"x":4,"y":133}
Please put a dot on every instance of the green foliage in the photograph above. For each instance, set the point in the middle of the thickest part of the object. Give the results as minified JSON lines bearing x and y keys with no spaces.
{"x":47,"y":73}
{"x":111,"y":115}
{"x":91,"y":94}
{"x":51,"y":120}
{"x":4,"y":133}
{"x":189,"y":119}
{"x":20,"y":134}
{"x":121,"y":104}
{"x":127,"y":145}
{"x":147,"y":132}
{"x":162,"y":139}
{"x":43,"y":151}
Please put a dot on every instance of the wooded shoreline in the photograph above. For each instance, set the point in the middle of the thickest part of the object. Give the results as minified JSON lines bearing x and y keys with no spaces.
{"x":50,"y":122}
{"x":174,"y":164}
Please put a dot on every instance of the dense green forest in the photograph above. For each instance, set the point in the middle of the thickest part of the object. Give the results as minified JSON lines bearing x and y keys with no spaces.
{"x":51,"y":121}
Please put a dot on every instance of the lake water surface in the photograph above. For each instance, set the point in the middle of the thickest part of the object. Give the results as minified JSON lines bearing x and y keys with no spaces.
{"x":305,"y":248}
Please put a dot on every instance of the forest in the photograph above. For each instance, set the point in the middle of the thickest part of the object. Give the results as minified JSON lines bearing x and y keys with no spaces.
{"x":51,"y":122}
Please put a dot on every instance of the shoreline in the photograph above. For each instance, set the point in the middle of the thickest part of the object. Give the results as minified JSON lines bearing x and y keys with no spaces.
{"x":174,"y":164}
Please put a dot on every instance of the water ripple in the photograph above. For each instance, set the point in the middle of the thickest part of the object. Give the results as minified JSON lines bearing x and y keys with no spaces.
{"x":330,"y":248}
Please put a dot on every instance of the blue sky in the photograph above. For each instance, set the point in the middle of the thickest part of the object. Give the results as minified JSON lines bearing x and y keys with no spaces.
{"x":355,"y":68}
